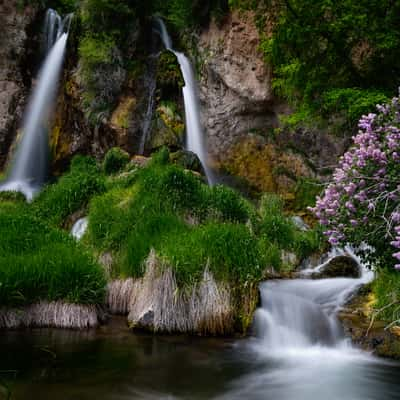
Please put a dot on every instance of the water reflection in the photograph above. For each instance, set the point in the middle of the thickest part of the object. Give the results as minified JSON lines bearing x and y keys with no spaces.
{"x":113,"y":364}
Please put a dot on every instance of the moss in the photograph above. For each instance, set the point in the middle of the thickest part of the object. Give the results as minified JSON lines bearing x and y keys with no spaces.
{"x":115,"y":160}
{"x":123,"y":112}
{"x":252,"y":161}
{"x":168,"y":71}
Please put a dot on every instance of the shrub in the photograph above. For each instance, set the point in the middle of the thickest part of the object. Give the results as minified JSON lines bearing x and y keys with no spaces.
{"x":273,"y":225}
{"x":115,"y":160}
{"x":353,"y":102}
{"x":362,"y":202}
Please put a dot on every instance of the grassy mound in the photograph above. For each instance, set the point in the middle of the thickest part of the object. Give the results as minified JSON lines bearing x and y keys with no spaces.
{"x":191,"y":226}
{"x":39,"y":262}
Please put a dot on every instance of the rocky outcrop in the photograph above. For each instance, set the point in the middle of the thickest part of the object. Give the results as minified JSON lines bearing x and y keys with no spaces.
{"x":241,"y":113}
{"x":369,"y":333}
{"x":341,"y":266}
{"x":17,"y":63}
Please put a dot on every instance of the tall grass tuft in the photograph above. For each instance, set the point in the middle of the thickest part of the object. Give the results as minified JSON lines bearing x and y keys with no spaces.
{"x":38,"y":262}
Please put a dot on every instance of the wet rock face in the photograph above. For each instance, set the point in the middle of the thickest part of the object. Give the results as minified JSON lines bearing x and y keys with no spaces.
{"x":240,"y":113}
{"x":235,"y":86}
{"x":15,"y":43}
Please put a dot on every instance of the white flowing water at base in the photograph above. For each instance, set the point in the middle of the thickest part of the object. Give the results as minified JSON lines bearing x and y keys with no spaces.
{"x":301,"y":349}
{"x":194,"y":131}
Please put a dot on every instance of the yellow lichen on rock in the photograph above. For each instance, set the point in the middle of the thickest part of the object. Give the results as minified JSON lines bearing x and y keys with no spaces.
{"x":121,"y":114}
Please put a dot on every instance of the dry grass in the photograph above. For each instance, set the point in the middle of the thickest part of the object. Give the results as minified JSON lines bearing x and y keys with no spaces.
{"x":158,"y":304}
{"x":54,"y":314}
{"x":119,"y":294}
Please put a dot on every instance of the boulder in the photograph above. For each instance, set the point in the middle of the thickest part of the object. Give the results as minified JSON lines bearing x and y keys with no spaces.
{"x":341,"y":266}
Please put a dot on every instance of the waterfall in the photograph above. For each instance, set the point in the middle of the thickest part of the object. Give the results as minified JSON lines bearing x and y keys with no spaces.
{"x":194,"y":130}
{"x":53,"y":28}
{"x":29,"y":166}
{"x":151,"y":85}
{"x":79,"y":228}
{"x":301,"y":313}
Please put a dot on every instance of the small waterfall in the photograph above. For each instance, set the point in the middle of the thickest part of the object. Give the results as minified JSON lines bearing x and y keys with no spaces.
{"x":151,"y":85}
{"x":194,"y":130}
{"x":53,"y":28}
{"x":29,"y":167}
{"x":79,"y":228}
{"x":301,"y":313}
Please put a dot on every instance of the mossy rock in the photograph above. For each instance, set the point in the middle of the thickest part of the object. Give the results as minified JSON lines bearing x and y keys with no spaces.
{"x":187,"y":160}
{"x":168,"y":128}
{"x":342,"y":266}
{"x":115,"y":160}
{"x":168,"y":71}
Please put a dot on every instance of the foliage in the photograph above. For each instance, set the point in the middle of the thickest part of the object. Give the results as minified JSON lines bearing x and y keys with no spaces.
{"x":324,"y":52}
{"x":353,"y":101}
{"x":386,"y":289}
{"x":305,"y":193}
{"x":191,"y":225}
{"x":38,"y":262}
{"x":362,"y":202}
{"x":230,"y":252}
{"x":273,"y":225}
{"x":71,"y":193}
{"x":115,"y":160}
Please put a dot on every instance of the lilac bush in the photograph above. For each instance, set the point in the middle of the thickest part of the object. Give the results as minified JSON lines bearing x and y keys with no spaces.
{"x":361,"y":204}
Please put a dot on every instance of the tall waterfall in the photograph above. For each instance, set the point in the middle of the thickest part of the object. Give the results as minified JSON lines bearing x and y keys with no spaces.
{"x":194,"y":130}
{"x":29,"y":167}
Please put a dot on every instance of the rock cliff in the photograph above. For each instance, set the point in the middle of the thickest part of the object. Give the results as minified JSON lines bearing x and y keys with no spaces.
{"x":17,"y":64}
{"x":241,"y":113}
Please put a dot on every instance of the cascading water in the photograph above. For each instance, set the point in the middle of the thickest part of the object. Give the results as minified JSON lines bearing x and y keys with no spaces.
{"x":300,"y":350}
{"x":194,"y":131}
{"x":151,"y":85}
{"x":53,"y":28}
{"x":30,"y":165}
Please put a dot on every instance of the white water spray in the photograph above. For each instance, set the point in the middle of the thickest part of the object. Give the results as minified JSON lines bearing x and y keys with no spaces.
{"x":194,"y":130}
{"x":79,"y":228}
{"x":30,"y":165}
{"x":301,"y":313}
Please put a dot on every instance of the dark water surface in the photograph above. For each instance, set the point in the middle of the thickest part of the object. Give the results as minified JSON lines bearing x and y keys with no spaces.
{"x":112,"y":363}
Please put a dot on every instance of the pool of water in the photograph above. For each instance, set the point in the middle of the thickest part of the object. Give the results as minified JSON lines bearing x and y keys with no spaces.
{"x":111,"y":363}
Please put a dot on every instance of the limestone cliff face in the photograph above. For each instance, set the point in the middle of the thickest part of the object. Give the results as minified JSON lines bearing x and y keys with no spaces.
{"x":17,"y":63}
{"x":240,"y":113}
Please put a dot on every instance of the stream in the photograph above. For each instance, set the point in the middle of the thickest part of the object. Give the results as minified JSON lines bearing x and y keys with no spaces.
{"x":298,"y":352}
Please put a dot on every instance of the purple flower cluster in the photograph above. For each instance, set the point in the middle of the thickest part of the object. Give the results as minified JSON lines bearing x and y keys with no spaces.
{"x":362,"y":201}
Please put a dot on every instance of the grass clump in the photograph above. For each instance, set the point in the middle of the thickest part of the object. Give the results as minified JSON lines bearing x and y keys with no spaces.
{"x":386,"y":289}
{"x":71,"y":193}
{"x":229,"y":251}
{"x":38,"y":262}
{"x":192,"y":226}
{"x":115,"y":160}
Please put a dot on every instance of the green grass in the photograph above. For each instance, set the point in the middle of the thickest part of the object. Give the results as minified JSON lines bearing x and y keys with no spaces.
{"x":230,"y":252}
{"x":71,"y":193}
{"x":192,"y":226}
{"x":386,"y":289}
{"x":38,"y":262}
